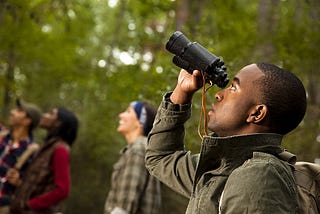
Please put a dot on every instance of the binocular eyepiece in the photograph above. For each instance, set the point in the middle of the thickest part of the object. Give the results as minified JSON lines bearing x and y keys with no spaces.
{"x":192,"y":56}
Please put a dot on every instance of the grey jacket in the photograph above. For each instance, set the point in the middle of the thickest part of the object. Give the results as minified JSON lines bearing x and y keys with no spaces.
{"x":237,"y":174}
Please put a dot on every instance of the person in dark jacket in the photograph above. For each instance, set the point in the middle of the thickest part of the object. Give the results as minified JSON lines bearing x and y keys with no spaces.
{"x":238,"y":169}
{"x":47,"y":180}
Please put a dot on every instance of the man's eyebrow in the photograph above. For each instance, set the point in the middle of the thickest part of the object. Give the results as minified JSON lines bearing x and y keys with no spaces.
{"x":237,"y":80}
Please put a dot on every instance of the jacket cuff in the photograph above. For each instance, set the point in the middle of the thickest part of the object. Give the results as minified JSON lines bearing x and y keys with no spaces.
{"x":169,"y":105}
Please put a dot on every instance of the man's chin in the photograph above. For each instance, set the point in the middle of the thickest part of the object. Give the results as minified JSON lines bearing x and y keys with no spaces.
{"x":211,"y":127}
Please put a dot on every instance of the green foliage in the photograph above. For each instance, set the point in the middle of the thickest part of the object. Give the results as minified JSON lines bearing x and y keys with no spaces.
{"x":69,"y":53}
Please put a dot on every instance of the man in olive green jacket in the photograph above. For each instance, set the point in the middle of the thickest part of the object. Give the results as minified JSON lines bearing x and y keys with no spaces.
{"x":237,"y":170}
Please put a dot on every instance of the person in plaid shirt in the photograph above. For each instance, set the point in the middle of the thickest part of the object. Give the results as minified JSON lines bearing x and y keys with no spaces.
{"x":133,"y":189}
{"x":13,"y":142}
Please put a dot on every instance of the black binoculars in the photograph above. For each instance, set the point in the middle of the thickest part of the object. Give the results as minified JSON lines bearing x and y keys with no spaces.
{"x":192,"y":56}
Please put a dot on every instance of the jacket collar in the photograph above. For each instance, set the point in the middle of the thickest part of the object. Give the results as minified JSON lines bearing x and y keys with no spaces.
{"x":230,"y":152}
{"x":49,"y":142}
{"x":141,"y":139}
{"x":235,"y":145}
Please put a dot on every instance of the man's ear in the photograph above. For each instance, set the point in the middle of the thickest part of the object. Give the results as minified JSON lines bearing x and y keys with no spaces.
{"x":257,"y":113}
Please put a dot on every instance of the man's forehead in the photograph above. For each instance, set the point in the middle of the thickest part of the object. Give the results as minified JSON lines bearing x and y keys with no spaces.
{"x":249,"y":72}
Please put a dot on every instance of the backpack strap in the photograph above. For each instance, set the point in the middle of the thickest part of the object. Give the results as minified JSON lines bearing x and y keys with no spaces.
{"x":308,"y":172}
{"x":307,"y":179}
{"x":307,"y":176}
{"x":32,"y":149}
{"x":288,"y":157}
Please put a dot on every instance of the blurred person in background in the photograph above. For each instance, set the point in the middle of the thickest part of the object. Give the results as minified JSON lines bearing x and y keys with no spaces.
{"x":133,"y":189}
{"x":13,"y":143}
{"x":47,"y":179}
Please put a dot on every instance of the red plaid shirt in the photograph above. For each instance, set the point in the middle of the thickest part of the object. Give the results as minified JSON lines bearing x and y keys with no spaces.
{"x":9,"y":153}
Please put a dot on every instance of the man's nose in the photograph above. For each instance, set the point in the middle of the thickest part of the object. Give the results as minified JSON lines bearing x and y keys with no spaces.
{"x":219,"y":96}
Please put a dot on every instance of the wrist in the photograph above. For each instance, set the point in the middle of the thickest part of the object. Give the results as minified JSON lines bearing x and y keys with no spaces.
{"x":179,"y":96}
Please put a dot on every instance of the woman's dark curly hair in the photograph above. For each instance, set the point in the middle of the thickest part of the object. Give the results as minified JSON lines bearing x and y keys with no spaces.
{"x":69,"y":126}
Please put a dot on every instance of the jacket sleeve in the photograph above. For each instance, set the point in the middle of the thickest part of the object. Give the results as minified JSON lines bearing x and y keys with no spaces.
{"x":166,"y":158}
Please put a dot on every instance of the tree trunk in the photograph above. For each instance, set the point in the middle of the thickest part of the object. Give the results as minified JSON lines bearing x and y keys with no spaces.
{"x":182,"y":13}
{"x":9,"y":82}
{"x":314,"y":87}
{"x":267,"y":26}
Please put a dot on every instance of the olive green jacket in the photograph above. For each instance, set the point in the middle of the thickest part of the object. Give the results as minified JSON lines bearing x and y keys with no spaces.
{"x":236,"y":174}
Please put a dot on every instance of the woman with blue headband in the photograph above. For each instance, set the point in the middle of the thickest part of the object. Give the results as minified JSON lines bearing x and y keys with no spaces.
{"x":133,"y":189}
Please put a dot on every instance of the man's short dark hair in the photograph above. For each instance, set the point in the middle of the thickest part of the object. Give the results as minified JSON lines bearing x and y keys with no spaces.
{"x":285,"y":97}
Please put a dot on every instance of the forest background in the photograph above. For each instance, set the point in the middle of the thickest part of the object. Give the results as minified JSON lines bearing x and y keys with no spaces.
{"x":96,"y":56}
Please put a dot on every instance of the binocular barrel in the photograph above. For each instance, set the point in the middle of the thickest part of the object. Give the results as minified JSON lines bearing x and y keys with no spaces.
{"x":193,"y":56}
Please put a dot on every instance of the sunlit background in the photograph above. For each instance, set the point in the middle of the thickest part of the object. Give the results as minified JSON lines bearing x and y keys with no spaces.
{"x":96,"y":56}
